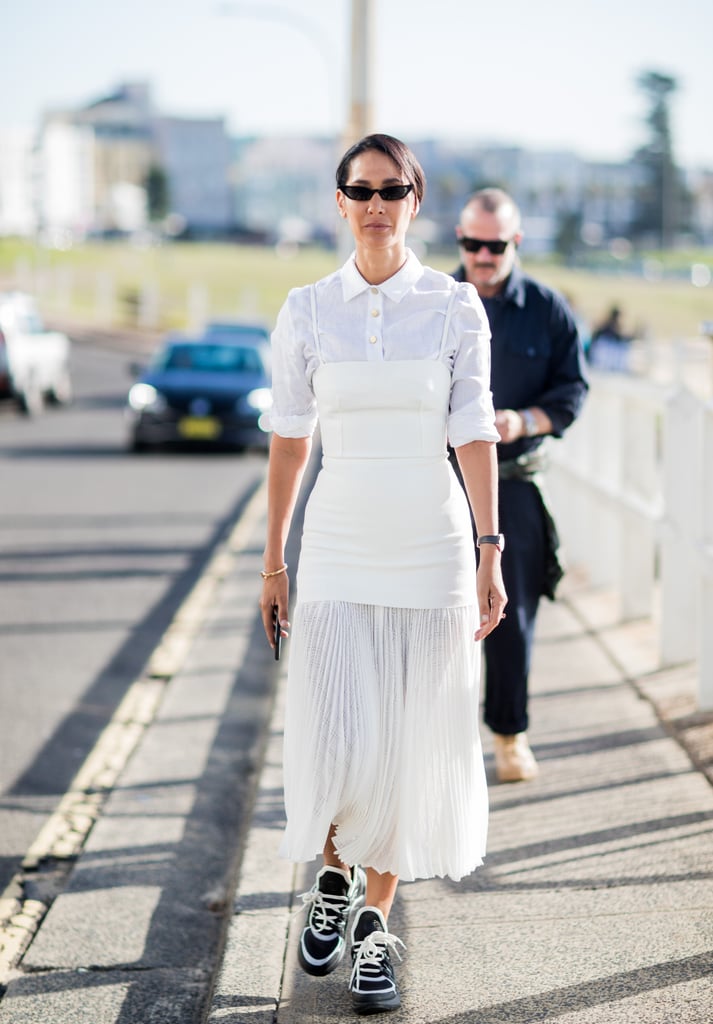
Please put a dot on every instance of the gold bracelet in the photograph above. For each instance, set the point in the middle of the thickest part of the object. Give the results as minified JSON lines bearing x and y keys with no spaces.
{"x":276,"y":572}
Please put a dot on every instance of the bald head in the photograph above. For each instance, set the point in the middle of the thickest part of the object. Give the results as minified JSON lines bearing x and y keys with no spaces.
{"x":498,"y":203}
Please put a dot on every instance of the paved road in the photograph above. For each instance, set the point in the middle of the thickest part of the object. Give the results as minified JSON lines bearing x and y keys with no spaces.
{"x":97,"y":549}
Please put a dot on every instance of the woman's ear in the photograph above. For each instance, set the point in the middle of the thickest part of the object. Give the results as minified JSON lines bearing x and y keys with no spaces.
{"x":341,"y":204}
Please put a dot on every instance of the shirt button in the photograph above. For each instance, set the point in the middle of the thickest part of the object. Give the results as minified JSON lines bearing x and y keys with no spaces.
{"x":374,"y":291}
{"x":375,"y":312}
{"x":373,"y":339}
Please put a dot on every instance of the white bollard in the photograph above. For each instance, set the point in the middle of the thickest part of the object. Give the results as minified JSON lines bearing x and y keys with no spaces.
{"x":198,"y":308}
{"x":149,"y":303}
{"x":105,"y":298}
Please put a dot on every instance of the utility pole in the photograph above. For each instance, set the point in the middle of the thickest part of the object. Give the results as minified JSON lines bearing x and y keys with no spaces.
{"x":360,"y":116}
{"x":361,"y":113}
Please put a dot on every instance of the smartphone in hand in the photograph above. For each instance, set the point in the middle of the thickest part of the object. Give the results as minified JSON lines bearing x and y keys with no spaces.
{"x":277,"y":636}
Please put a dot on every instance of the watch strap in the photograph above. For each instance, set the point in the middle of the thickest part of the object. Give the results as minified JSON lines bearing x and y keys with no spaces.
{"x":497,"y":539}
{"x":528,"y":418}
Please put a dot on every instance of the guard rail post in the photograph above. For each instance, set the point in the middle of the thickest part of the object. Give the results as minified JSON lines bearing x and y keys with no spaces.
{"x":680,"y":534}
{"x":705,"y":675}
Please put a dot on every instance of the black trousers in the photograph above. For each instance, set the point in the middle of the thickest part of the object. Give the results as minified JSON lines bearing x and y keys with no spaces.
{"x":508,"y":649}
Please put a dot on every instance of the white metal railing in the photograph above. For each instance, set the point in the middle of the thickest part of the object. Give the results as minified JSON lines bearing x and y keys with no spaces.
{"x":632,"y":492}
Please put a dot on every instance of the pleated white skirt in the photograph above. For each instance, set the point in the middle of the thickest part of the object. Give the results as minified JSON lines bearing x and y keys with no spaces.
{"x":383,"y":739}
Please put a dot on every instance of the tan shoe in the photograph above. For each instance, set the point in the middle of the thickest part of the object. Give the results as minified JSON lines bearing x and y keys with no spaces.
{"x":514,"y":761}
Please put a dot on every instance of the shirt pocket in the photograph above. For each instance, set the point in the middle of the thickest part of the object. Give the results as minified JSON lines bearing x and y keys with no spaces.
{"x":530,"y":344}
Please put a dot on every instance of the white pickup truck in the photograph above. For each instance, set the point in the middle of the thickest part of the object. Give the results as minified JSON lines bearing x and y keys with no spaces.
{"x":34,"y":363}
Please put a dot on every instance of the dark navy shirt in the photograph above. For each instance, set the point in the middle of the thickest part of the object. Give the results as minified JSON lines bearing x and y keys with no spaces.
{"x":536,"y":355}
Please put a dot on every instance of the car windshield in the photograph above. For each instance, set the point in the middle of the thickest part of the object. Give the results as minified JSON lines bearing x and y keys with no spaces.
{"x":211,"y":359}
{"x":224,"y":331}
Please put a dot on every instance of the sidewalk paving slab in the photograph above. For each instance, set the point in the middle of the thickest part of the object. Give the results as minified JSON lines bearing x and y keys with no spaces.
{"x":595,"y":903}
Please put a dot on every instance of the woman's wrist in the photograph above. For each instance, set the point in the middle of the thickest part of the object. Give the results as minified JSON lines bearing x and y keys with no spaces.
{"x":273,"y":559}
{"x":269,"y":573}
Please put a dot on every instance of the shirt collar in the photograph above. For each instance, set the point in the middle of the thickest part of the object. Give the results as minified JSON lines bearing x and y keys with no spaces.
{"x":394,"y":288}
{"x":514,"y":290}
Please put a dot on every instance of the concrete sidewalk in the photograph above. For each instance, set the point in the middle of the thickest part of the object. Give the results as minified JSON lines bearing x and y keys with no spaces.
{"x":595,"y":903}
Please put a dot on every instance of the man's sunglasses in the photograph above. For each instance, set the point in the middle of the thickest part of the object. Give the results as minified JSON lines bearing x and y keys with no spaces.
{"x":361,"y":194}
{"x":497,"y":247}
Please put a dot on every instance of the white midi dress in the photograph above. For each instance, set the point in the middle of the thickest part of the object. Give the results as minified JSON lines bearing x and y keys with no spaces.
{"x":382,"y":716}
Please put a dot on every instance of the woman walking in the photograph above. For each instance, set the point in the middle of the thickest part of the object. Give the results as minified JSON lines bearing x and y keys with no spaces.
{"x":382,"y":760}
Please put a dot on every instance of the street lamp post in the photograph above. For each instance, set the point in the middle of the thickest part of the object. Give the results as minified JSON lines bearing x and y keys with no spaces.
{"x":360,"y":120}
{"x":361,"y":110}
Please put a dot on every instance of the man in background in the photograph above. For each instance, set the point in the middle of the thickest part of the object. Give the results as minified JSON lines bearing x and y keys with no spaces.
{"x":538,"y":383}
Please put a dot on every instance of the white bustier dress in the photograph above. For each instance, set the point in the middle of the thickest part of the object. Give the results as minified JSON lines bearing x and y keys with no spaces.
{"x":382,"y":732}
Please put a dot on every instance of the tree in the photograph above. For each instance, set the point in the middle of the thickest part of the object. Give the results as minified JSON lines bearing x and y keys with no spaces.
{"x":661,"y":199}
{"x":157,"y":195}
{"x":568,"y":239}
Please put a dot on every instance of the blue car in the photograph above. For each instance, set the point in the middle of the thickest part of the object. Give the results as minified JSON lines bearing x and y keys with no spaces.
{"x":208,"y":391}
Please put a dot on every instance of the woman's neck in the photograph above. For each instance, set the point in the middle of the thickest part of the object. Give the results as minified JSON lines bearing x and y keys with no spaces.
{"x":378,"y":266}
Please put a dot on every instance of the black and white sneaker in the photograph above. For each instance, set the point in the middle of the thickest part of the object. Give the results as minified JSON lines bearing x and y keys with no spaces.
{"x":330,"y":900}
{"x":372,"y":983}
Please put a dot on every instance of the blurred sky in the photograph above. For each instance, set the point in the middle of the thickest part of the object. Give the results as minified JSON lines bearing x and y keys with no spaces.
{"x":536,"y":73}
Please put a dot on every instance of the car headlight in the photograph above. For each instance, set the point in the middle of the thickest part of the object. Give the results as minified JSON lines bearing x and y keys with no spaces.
{"x":259,"y":399}
{"x":145,"y":398}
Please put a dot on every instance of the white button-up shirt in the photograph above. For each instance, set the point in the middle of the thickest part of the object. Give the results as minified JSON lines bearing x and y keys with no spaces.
{"x":402,"y":318}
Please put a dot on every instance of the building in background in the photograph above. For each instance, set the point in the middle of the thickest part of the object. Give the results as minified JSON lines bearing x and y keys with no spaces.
{"x":92,"y":168}
{"x":284,"y":188}
{"x":562,"y":198}
{"x":195,"y":157}
{"x":18,"y":215}
{"x":64,"y":180}
{"x":117,"y":166}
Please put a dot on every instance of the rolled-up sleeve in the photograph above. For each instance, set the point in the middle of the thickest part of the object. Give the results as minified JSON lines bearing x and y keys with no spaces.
{"x":471,"y":416}
{"x":294,"y":410}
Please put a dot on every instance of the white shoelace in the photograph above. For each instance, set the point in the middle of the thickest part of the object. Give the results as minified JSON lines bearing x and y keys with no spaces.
{"x":370,"y":954}
{"x":325,"y":912}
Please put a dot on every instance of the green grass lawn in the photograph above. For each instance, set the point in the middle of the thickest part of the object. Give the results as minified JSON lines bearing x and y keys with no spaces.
{"x":100,"y":282}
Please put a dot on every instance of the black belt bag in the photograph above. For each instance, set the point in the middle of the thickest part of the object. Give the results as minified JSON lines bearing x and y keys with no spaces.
{"x":530,"y":468}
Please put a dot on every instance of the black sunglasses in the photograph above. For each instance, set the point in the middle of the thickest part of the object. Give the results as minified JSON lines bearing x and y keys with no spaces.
{"x":361,"y":194}
{"x":497,"y":247}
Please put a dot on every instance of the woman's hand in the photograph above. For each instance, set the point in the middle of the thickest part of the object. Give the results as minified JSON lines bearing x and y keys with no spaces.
{"x":288,"y":459}
{"x":491,"y":592}
{"x":275,"y":594}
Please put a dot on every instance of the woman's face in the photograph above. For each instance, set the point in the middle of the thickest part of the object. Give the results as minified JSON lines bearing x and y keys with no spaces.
{"x":377,"y":223}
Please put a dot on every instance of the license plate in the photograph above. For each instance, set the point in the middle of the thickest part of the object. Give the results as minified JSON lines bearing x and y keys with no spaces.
{"x":199,"y":428}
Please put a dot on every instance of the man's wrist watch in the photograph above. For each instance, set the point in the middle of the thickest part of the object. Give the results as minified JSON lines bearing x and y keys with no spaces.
{"x":498,"y":539}
{"x":530,"y":423}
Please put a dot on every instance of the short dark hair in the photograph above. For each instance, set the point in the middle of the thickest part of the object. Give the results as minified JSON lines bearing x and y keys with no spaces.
{"x":492,"y":200}
{"x":395,"y":150}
